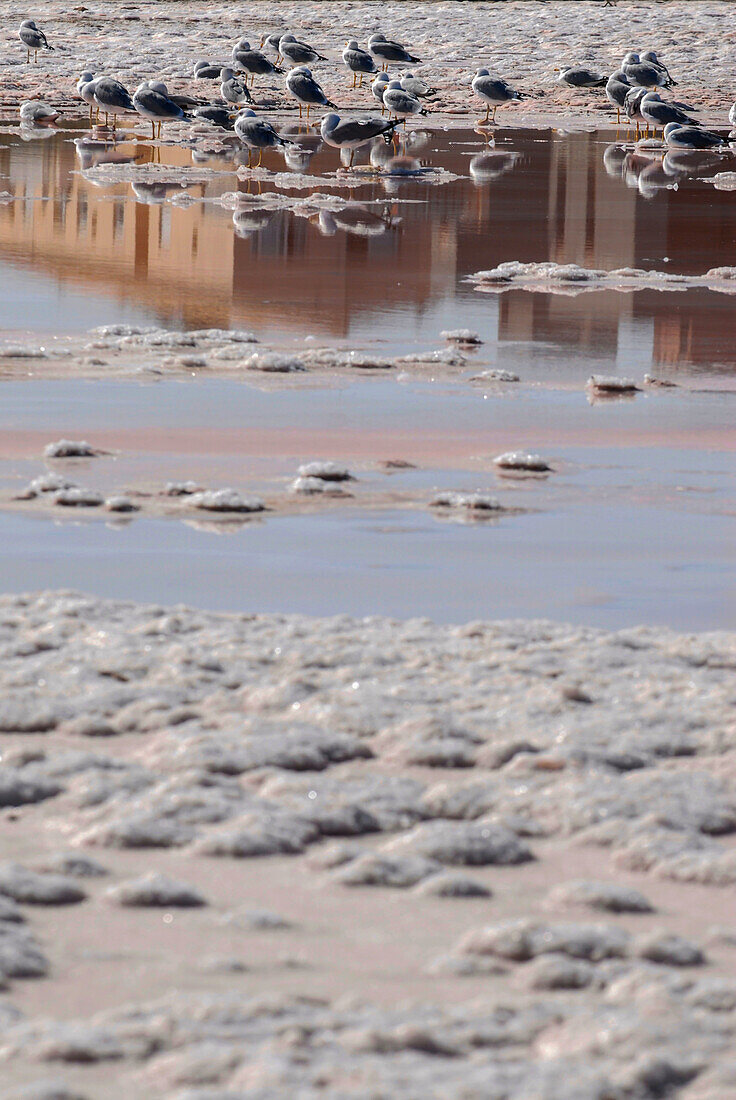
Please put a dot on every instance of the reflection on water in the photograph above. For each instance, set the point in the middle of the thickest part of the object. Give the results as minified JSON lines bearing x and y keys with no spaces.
{"x":383,"y":266}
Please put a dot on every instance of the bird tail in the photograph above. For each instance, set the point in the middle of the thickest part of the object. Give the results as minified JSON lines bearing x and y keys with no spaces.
{"x":278,"y":69}
{"x":388,"y":133}
{"x":329,"y":103}
{"x":415,"y":60}
{"x":320,"y":57}
{"x":423,"y":111}
{"x":601,"y":83}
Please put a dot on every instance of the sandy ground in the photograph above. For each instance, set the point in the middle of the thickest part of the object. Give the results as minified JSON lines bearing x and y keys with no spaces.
{"x":388,"y":859}
{"x":522,"y":40}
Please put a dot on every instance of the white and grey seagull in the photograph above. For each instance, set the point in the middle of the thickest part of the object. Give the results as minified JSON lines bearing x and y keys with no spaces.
{"x":358,"y":61}
{"x":157,"y":108}
{"x":301,"y":84}
{"x":297,"y":52}
{"x":232,"y":89}
{"x":33,"y":39}
{"x":352,"y":133}
{"x":387,"y":51}
{"x":400,"y":103}
{"x":378,"y":87}
{"x":253,"y":62}
{"x":688,"y":137}
{"x":113,"y":98}
{"x":493,"y":90}
{"x":258,"y":134}
{"x":86,"y":91}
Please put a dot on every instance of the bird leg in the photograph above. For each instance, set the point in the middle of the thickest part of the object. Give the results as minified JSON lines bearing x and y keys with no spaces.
{"x":300,"y":111}
{"x":495,"y":108}
{"x":309,"y":107}
{"x":618,"y":116}
{"x":353,"y":84}
{"x":260,"y":158}
{"x":153,"y":130}
{"x":488,"y":113}
{"x":28,"y":56}
{"x":249,"y":156}
{"x":360,"y":82}
{"x":35,"y":56}
{"x":352,"y":154}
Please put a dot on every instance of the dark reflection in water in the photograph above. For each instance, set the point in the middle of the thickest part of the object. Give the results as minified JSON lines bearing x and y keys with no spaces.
{"x":384,"y":266}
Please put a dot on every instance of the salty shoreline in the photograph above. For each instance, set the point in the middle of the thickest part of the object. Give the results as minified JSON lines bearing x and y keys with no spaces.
{"x":270,"y":765}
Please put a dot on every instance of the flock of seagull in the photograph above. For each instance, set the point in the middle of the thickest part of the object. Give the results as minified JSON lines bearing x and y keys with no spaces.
{"x":634,"y":89}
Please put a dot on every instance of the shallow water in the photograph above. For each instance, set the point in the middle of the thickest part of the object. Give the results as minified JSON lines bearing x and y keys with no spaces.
{"x":391,"y":268}
{"x":636,"y":523}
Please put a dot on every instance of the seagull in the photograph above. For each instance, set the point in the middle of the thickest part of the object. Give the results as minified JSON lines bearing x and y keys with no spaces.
{"x":298,"y":53}
{"x":357,"y":60}
{"x":378,"y":87}
{"x":643,"y":74}
{"x":577,"y":76}
{"x":688,"y":137}
{"x":386,"y":51}
{"x":272,"y":42}
{"x":302,"y":85}
{"x":186,"y":102}
{"x":401,"y":103}
{"x":206,"y":70}
{"x":657,"y":113}
{"x":86,"y":91}
{"x":232,"y":89}
{"x":257,"y":134}
{"x":492,"y":90}
{"x":617,"y":89}
{"x":650,"y":58}
{"x":218,"y":116}
{"x":156,"y":107}
{"x":352,"y":133}
{"x":112,"y":97}
{"x":632,"y":106}
{"x":33,"y":39}
{"x":416,"y":86}
{"x":253,"y":62}
{"x":36,"y":113}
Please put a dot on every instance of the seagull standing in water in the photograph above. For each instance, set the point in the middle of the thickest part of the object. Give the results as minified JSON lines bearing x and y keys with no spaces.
{"x":86,"y":91}
{"x":33,"y":39}
{"x":113,"y":98}
{"x":688,"y":137}
{"x":617,"y":89}
{"x":401,"y":103}
{"x":492,"y":90}
{"x":156,"y":107}
{"x":352,"y":133}
{"x":257,"y":134}
{"x":302,"y":85}
{"x":657,"y":113}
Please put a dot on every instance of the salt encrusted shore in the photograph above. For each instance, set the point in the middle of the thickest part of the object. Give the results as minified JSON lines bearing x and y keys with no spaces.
{"x":259,"y":856}
{"x":522,"y":40}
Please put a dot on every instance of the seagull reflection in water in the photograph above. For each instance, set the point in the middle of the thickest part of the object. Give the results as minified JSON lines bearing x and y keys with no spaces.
{"x":356,"y":220}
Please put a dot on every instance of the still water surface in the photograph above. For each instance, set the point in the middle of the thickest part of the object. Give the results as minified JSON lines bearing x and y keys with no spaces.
{"x":637,"y":525}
